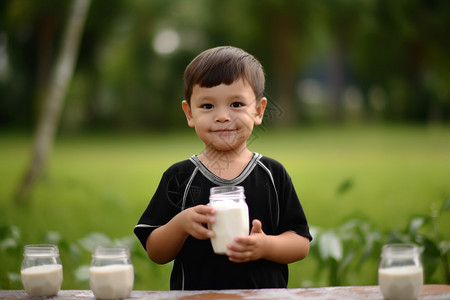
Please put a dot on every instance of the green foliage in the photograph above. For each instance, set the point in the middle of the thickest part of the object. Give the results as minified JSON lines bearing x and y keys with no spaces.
{"x":343,"y":251}
{"x":345,"y":186}
{"x":424,"y":230}
{"x":95,"y":239}
{"x":74,"y":255}
{"x":11,"y":246}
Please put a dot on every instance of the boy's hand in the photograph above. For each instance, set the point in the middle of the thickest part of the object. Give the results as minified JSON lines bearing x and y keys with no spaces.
{"x":194,"y":220}
{"x":248,"y":248}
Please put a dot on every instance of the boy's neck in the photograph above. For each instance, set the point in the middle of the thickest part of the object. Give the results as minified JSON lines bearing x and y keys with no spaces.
{"x":226,"y":164}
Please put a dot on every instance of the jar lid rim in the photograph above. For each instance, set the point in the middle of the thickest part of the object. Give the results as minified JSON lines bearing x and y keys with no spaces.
{"x":400,"y":249}
{"x":111,"y":252}
{"x":41,"y":250}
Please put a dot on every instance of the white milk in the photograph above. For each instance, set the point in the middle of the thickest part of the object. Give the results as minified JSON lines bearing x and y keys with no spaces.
{"x":401,"y":283}
{"x":42,"y":280}
{"x":231,"y":221}
{"x":111,"y":281}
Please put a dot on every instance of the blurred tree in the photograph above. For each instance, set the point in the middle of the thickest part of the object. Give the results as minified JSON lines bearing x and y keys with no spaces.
{"x":403,"y":46}
{"x":29,"y":32}
{"x":57,"y":87}
{"x":134,"y":53}
{"x":343,"y":20}
{"x":275,"y":32}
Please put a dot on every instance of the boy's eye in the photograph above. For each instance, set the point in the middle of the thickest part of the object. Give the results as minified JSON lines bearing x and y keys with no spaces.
{"x":207,"y":106}
{"x":236,"y":104}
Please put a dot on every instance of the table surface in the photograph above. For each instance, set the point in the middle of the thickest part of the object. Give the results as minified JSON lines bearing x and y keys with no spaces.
{"x":429,"y":292}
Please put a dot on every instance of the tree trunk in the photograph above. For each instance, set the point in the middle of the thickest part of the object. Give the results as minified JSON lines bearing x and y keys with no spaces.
{"x":50,"y":114}
{"x":283,"y":33}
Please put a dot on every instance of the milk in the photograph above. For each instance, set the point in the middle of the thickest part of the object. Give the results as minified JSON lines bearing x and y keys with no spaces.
{"x":44,"y":280}
{"x":401,"y":283}
{"x":111,"y":281}
{"x":231,"y":221}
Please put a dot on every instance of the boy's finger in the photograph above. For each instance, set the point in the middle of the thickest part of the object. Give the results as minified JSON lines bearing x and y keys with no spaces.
{"x":203,"y":233}
{"x":205,"y":209}
{"x":204,"y":219}
{"x":257,"y":226}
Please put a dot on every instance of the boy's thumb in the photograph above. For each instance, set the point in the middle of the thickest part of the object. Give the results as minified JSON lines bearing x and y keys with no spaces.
{"x":256,"y":226}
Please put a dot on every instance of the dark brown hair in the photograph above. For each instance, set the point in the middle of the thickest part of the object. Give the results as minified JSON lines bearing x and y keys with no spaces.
{"x":225,"y":65}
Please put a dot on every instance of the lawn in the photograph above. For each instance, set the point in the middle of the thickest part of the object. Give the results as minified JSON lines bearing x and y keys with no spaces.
{"x":102,"y":183}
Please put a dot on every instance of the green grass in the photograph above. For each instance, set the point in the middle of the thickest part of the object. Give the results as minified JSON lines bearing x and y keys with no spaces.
{"x":102,"y":183}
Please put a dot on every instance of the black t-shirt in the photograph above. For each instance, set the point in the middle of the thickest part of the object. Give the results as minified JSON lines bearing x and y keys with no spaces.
{"x":271,"y":198}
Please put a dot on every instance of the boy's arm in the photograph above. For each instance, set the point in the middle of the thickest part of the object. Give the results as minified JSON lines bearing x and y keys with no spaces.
{"x":284,"y":248}
{"x":164,"y":243}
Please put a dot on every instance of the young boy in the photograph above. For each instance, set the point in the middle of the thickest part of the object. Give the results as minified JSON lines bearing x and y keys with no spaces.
{"x":224,"y":100}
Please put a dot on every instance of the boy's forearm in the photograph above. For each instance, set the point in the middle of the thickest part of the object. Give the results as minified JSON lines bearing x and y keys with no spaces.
{"x":164,"y":243}
{"x":286,"y":248}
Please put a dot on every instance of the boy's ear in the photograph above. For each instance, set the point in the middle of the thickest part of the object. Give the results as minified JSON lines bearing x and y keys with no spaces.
{"x":260,"y":108}
{"x":188,"y":113}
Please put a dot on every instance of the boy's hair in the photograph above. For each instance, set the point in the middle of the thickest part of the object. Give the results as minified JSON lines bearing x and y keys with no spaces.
{"x":225,"y":65}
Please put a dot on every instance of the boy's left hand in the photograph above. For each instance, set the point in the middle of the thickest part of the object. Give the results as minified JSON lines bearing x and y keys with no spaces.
{"x":248,"y":248}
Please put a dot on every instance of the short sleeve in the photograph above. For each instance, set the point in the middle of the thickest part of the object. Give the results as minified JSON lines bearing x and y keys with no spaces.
{"x":292,"y":216}
{"x":166,"y":202}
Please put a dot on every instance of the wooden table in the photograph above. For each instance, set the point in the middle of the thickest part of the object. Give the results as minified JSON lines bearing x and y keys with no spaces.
{"x":429,"y":292}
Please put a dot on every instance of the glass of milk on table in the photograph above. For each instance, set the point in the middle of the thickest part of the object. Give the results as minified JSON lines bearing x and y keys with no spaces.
{"x":231,"y":216}
{"x":400,"y":273}
{"x":111,"y":274}
{"x":41,"y":270}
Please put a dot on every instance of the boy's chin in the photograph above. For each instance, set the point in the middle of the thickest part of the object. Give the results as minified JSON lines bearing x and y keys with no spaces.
{"x":222,"y":148}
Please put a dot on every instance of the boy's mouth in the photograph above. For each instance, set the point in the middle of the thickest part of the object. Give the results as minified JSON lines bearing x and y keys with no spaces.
{"x":224,"y":131}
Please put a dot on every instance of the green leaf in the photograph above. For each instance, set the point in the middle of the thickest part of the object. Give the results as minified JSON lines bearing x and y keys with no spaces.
{"x":53,"y":237}
{"x":315,"y":232}
{"x":75,"y":252}
{"x":95,"y":239}
{"x":372,"y":239}
{"x":10,"y":231}
{"x":128,"y":241}
{"x":330,"y":246}
{"x":8,"y":243}
{"x":82,"y":273}
{"x":444,"y":247}
{"x":416,"y":222}
{"x":345,"y":186}
{"x":14,"y":277}
{"x":445,"y":205}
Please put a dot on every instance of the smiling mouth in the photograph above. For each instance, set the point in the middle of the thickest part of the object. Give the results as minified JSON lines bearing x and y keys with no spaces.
{"x":224,"y":131}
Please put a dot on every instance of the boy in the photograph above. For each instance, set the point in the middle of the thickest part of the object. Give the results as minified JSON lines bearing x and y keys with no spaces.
{"x":224,"y":100}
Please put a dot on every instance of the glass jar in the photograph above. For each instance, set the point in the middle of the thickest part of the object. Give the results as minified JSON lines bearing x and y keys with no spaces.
{"x":41,"y":270}
{"x":231,"y":216}
{"x":111,"y":274}
{"x":400,"y":273}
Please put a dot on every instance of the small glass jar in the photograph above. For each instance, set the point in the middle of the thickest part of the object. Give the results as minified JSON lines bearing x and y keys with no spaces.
{"x":111,"y":274}
{"x":231,"y":216}
{"x":400,"y":273}
{"x":41,"y":270}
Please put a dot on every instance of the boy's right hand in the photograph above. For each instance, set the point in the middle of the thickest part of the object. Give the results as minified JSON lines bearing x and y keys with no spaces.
{"x":195,"y":219}
{"x":165,"y":242}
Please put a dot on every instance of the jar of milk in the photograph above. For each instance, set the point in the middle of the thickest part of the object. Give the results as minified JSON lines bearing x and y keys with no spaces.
{"x":231,"y":216}
{"x":111,"y":274}
{"x":41,"y":270}
{"x":400,"y":273}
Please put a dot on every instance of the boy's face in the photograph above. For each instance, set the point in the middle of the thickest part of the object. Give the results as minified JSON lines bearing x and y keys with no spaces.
{"x":224,"y":115}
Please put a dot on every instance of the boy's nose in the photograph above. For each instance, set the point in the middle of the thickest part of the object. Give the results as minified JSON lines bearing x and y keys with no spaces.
{"x":222,"y":115}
